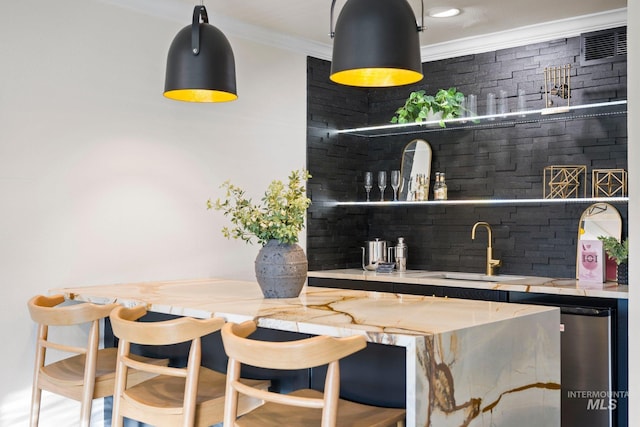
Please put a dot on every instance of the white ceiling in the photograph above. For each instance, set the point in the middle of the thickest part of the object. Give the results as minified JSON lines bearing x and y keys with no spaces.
{"x":304,"y":24}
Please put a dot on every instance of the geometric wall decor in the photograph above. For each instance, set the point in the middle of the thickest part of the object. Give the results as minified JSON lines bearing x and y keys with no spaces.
{"x":563,"y":181}
{"x":608,"y":183}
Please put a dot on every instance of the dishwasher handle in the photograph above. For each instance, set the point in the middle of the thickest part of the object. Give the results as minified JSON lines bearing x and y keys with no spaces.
{"x":586,"y":311}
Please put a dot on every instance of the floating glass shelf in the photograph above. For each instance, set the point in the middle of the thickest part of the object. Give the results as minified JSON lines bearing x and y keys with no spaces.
{"x":544,"y":115}
{"x":491,"y":202}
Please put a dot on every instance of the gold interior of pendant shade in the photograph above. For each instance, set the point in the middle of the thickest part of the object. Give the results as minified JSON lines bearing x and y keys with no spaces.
{"x":376,"y":44}
{"x":200,"y":95}
{"x":376,"y":77}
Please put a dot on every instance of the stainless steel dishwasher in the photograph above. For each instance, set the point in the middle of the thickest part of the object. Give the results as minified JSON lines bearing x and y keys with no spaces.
{"x":587,"y":367}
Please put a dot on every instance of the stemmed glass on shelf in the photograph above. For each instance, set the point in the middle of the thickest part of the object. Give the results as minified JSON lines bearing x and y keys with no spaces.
{"x":368,"y":183}
{"x":395,"y":183}
{"x":382,"y":183}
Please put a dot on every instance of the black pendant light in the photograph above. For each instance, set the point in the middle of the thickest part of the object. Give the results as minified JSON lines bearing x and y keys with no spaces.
{"x":376,"y":44}
{"x":200,"y":63}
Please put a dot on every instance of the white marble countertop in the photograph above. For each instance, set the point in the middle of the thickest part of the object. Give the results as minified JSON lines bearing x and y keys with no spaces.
{"x":531,"y":284}
{"x":381,"y":317}
{"x":474,"y":363}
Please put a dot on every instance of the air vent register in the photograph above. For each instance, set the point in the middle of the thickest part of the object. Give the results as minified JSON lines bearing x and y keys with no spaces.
{"x":604,"y":46}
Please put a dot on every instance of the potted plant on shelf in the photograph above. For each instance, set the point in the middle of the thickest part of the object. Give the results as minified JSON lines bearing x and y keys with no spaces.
{"x":619,"y":252}
{"x":281,"y":264}
{"x":446,"y":103}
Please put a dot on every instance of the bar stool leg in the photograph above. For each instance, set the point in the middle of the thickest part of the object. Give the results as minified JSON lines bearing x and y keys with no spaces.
{"x":91,"y":360}
{"x":36,"y":392}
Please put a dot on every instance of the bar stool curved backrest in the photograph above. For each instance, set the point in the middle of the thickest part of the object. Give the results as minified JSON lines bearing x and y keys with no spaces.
{"x":177,"y":396}
{"x":89,"y":373}
{"x":306,"y":407}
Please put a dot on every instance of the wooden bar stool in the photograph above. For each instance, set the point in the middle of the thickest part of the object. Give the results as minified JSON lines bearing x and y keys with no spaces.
{"x":303,"y":408}
{"x":88,"y":375}
{"x":190,"y":396}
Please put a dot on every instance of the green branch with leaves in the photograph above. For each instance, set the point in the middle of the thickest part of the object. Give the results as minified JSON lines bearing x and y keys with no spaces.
{"x":279,"y":216}
{"x":418,"y":106}
{"x":617,"y":250}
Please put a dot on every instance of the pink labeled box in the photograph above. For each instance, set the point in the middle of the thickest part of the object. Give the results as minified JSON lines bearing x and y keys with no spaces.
{"x":591,"y":262}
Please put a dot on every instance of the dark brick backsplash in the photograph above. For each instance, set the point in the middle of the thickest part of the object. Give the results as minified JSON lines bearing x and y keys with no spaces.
{"x":498,"y":162}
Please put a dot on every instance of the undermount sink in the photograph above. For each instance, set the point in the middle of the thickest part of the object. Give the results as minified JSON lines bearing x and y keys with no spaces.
{"x":477,"y":277}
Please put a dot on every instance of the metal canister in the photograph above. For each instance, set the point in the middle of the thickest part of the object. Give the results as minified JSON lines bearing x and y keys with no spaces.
{"x":401,"y":255}
{"x":373,"y":253}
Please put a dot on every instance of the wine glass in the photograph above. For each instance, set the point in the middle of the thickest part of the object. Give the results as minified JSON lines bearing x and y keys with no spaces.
{"x":382,"y":183}
{"x":395,"y":183}
{"x":368,"y":182}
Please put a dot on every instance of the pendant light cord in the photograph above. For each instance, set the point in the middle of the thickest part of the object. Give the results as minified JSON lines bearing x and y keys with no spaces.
{"x":332,"y":33}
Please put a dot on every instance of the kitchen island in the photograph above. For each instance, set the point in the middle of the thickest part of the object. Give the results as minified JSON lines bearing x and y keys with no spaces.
{"x":471,"y":363}
{"x":594,"y":324}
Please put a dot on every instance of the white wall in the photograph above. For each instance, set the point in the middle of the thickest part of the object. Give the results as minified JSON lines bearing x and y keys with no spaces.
{"x":633,"y":69}
{"x":103,"y":180}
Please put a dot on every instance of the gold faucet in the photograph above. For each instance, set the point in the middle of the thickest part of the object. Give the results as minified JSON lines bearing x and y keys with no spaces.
{"x":491,"y":263}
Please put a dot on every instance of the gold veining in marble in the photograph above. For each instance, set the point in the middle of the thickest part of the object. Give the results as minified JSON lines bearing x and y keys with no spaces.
{"x":447,"y":379}
{"x":442,"y":387}
{"x":547,"y":386}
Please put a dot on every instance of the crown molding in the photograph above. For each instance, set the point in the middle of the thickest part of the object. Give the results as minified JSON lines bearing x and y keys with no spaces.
{"x":260,"y":35}
{"x":179,"y":11}
{"x":553,"y":30}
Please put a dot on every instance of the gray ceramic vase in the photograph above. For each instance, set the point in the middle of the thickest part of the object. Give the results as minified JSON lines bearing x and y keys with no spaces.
{"x":281,"y":269}
{"x":623,"y":274}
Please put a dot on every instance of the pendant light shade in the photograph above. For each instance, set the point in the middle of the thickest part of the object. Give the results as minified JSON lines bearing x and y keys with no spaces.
{"x":200,"y":63}
{"x":376,"y":44}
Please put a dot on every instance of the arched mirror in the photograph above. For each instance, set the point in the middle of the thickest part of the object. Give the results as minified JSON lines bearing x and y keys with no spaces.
{"x":599,"y":219}
{"x":416,"y":160}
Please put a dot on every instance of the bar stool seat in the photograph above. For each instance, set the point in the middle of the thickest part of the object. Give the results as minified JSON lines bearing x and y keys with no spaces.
{"x":349,"y":414}
{"x":70,"y":373}
{"x":178,"y":396}
{"x":165,"y":394}
{"x":302,"y":408}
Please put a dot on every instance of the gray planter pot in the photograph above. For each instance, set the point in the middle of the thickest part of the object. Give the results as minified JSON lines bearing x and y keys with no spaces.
{"x":623,"y":274}
{"x":281,"y":269}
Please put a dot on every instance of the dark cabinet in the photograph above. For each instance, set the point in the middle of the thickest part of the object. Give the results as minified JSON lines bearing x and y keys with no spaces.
{"x":361,"y":285}
{"x":411,"y":289}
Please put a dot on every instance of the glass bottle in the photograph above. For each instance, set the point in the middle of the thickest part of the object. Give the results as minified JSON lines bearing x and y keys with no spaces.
{"x":440,"y":187}
{"x":443,"y":187}
{"x":436,"y":187}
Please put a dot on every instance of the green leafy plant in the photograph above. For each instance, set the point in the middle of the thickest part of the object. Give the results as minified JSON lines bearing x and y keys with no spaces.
{"x":279,"y":216}
{"x":418,"y":105}
{"x":617,"y":250}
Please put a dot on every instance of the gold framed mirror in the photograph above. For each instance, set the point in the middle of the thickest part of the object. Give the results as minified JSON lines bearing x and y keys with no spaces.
{"x":598,"y":219}
{"x":416,"y":161}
